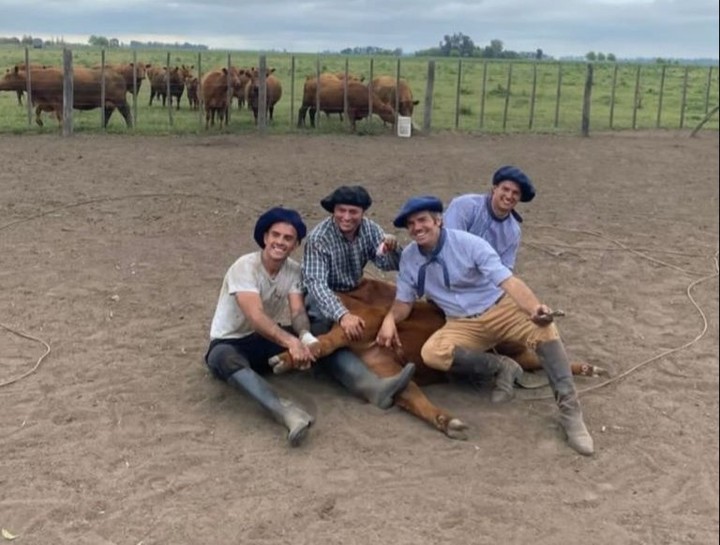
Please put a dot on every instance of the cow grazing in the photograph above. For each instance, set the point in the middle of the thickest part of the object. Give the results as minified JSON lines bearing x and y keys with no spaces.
{"x":386,"y":88}
{"x":47,"y":91}
{"x":273,"y":92}
{"x":215,"y":94}
{"x":332,"y":92}
{"x":126,"y":71}
{"x":371,"y":301}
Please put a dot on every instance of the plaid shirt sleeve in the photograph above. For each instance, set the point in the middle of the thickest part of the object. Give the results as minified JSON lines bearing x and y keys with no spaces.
{"x":316,"y":271}
{"x":387,"y":262}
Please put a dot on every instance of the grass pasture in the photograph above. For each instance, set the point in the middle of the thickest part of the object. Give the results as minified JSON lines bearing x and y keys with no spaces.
{"x":468,"y":95}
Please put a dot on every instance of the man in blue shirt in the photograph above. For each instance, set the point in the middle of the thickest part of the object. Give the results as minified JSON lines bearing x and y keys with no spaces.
{"x":492,"y":216}
{"x":484,"y":304}
{"x":336,"y":252}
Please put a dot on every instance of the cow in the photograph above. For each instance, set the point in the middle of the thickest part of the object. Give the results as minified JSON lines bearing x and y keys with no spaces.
{"x":19,"y":92}
{"x":387,"y":86}
{"x":332,"y":93}
{"x":215,"y":95}
{"x":47,"y":91}
{"x":126,"y":71}
{"x":159,"y":83}
{"x":273,"y":93}
{"x":371,"y":300}
{"x":244,"y":75}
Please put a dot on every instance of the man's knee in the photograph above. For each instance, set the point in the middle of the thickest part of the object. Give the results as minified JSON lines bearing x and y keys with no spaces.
{"x":224,"y":360}
{"x":437,"y":353}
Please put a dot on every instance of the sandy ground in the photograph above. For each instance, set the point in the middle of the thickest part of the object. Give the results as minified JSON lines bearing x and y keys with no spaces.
{"x":113,"y":250}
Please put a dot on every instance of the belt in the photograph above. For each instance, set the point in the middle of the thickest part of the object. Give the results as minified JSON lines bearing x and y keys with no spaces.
{"x":472,"y":316}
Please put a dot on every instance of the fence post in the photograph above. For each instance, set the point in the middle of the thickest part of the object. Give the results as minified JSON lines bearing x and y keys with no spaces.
{"x":345,"y":93}
{"x":707,"y":89}
{"x":292,"y":88}
{"x":167,"y":89}
{"x":482,"y":95}
{"x":371,"y":91}
{"x":507,"y":96}
{"x":532,"y":96}
{"x":397,"y":93}
{"x":586,"y":101}
{"x":684,"y":97}
{"x":612,"y":95}
{"x":68,"y":87}
{"x":660,"y":98}
{"x":201,"y":101}
{"x":135,"y":90}
{"x":457,"y":94}
{"x":317,"y":92}
{"x":102,"y":90}
{"x":262,"y":95}
{"x":229,"y":91}
{"x":557,"y":96}
{"x":636,"y":98}
{"x":28,"y":86}
{"x":427,"y":114}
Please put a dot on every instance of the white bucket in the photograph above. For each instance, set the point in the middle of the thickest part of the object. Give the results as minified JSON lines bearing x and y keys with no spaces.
{"x":404,"y":126}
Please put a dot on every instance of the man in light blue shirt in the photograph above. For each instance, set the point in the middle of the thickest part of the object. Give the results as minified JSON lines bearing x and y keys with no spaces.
{"x":484,"y":303}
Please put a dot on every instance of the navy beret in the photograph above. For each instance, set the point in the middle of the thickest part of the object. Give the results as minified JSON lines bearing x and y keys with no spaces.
{"x":278,"y":215}
{"x":423,"y":203}
{"x":355,"y":195}
{"x":514,"y":174}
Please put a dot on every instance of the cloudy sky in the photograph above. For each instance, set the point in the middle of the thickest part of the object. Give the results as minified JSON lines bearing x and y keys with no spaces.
{"x":627,"y":28}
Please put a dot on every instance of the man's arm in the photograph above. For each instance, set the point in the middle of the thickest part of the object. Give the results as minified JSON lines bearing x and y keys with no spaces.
{"x":527,"y":300}
{"x":387,"y":334}
{"x":316,"y":270}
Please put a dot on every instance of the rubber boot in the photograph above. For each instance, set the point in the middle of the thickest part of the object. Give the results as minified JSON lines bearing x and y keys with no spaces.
{"x":475,"y":364}
{"x":557,"y":366}
{"x":352,"y":373}
{"x":295,"y":419}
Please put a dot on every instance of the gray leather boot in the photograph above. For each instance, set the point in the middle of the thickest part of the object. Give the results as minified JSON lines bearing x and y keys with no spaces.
{"x":352,"y":373}
{"x":476,"y":364}
{"x":557,"y":366}
{"x":295,"y":419}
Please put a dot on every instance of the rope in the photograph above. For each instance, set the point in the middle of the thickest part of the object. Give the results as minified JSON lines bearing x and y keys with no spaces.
{"x":37,"y":364}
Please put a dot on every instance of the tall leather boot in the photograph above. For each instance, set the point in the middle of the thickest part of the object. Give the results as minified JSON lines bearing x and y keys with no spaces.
{"x":295,"y":419}
{"x":557,"y":366}
{"x":476,"y":364}
{"x":352,"y":373}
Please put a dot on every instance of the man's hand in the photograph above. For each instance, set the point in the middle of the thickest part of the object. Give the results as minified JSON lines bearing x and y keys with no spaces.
{"x":388,"y":336}
{"x":352,"y":326}
{"x":542,"y":315}
{"x":301,"y":355}
{"x":389,"y":244}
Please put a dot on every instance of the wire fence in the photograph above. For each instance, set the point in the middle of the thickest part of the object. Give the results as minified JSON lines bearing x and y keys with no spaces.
{"x":180,"y":91}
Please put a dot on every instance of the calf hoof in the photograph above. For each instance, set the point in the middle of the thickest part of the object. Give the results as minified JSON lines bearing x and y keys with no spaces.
{"x":280,"y":364}
{"x":456,"y":429}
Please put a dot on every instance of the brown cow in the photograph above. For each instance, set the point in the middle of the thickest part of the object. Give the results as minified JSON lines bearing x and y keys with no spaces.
{"x":244,"y":75}
{"x":159,"y":83}
{"x":386,"y":86}
{"x":19,"y":92}
{"x":371,"y":301}
{"x":126,"y":71}
{"x":47,"y":91}
{"x":193,"y":87}
{"x":215,"y":95}
{"x":273,"y":93}
{"x":332,"y":93}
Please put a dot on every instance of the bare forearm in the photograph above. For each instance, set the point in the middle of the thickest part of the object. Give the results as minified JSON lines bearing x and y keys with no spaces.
{"x":400,"y":311}
{"x":266,"y":327}
{"x":521,"y":294}
{"x":300,"y":323}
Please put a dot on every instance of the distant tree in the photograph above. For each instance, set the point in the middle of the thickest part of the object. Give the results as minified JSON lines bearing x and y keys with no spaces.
{"x":98,"y":41}
{"x":26,"y":40}
{"x":539,"y":54}
{"x":494,"y":50}
{"x":114,"y":42}
{"x":601,"y":57}
{"x":611,"y":57}
{"x":457,"y":45}
{"x":591,"y":56}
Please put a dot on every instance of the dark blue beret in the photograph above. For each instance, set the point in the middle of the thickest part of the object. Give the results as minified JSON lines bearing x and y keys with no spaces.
{"x":514,"y":174}
{"x":423,"y":203}
{"x":278,"y":215}
{"x":355,"y":195}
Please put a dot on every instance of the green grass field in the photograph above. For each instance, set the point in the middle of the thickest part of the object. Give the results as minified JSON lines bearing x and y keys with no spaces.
{"x":472,"y":95}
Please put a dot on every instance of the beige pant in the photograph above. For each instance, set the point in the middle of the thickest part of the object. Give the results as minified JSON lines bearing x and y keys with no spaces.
{"x":504,"y":322}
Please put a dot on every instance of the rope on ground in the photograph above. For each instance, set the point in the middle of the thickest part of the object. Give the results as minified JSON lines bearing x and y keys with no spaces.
{"x":39,"y":361}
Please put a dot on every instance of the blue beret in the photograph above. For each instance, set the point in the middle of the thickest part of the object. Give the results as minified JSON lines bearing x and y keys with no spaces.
{"x":514,"y":174}
{"x":355,"y":195}
{"x":423,"y":203}
{"x":278,"y":215}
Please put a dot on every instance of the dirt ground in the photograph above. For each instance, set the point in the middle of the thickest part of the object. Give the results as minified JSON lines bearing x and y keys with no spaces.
{"x":113,"y":250}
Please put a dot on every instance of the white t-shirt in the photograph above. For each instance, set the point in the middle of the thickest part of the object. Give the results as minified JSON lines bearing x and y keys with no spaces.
{"x":248,"y":274}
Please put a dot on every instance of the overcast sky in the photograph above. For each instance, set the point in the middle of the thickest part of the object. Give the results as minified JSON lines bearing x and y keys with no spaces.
{"x":627,"y":28}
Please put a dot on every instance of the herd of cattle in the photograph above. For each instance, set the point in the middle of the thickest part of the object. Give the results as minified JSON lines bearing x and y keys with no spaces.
{"x":214,"y":92}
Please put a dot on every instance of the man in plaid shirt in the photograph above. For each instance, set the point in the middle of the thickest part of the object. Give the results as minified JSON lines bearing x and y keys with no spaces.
{"x":336,"y":253}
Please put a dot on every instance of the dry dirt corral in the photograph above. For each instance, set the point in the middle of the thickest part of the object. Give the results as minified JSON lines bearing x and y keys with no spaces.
{"x":113,"y":251}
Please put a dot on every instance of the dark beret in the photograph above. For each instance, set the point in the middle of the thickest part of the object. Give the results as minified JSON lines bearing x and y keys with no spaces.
{"x":423,"y":203}
{"x":514,"y":174}
{"x":355,"y":195}
{"x":278,"y":215}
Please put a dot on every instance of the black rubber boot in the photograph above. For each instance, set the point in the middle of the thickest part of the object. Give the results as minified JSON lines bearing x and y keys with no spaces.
{"x":557,"y":367}
{"x":475,"y":365}
{"x":295,"y":419}
{"x":352,"y":373}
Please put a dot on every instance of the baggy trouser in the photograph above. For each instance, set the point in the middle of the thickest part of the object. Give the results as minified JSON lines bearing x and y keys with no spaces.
{"x":476,"y":365}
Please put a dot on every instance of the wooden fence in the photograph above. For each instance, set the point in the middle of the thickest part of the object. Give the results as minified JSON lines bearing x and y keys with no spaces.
{"x":509,"y":96}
